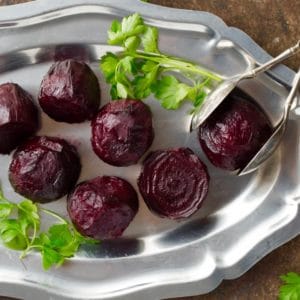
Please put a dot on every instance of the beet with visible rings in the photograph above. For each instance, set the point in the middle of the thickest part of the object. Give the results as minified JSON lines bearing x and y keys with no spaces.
{"x":102,"y":208}
{"x":19,"y":118}
{"x":122,"y":132}
{"x":70,"y":92}
{"x":235,"y":131}
{"x":173,"y":182}
{"x":44,"y":168}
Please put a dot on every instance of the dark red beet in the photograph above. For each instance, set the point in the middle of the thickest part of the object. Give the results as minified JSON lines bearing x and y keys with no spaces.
{"x":44,"y":168}
{"x":122,"y":132}
{"x":173,"y":182}
{"x":18,"y":116}
{"x":103,"y":207}
{"x":70,"y":92}
{"x":234,"y":133}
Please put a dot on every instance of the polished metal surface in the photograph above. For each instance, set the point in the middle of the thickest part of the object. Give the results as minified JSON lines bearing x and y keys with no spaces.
{"x":218,"y":95}
{"x":243,"y":218}
{"x":272,"y":143}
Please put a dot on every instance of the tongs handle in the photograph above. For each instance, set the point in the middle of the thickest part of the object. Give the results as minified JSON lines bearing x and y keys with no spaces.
{"x":293,"y":93}
{"x":266,"y":66}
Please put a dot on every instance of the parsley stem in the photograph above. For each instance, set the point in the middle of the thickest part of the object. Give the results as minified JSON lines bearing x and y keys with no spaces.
{"x":34,"y":233}
{"x":175,"y":63}
{"x":34,"y":247}
{"x":203,"y":83}
{"x":25,"y":252}
{"x":53,"y":214}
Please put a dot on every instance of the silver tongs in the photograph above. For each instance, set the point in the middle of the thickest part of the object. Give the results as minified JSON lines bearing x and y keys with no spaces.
{"x":215,"y":98}
{"x":271,"y":144}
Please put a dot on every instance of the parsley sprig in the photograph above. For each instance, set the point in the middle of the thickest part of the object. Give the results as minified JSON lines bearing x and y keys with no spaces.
{"x":290,"y":290}
{"x":141,"y":69}
{"x":20,"y":230}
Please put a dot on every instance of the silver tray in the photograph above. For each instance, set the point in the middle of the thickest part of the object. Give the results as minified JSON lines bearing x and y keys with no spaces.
{"x":242,"y":220}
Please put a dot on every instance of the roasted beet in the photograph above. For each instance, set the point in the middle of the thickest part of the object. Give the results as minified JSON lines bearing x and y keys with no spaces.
{"x":70,"y":92}
{"x":18,"y":116}
{"x":235,"y":131}
{"x":173,"y":182}
{"x":122,"y":132}
{"x":44,"y":168}
{"x":103,"y":207}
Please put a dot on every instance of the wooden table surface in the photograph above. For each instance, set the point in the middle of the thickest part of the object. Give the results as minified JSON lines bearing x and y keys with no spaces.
{"x":274,"y":25}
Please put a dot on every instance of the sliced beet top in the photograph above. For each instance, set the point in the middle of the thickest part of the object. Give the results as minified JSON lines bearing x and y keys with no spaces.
{"x":70,"y":92}
{"x":44,"y":168}
{"x":235,"y":131}
{"x":122,"y":132}
{"x":103,"y":207}
{"x":19,"y":117}
{"x":173,"y":182}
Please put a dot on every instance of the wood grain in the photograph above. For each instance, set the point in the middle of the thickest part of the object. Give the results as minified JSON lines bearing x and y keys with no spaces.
{"x":11,"y":2}
{"x":274,"y":25}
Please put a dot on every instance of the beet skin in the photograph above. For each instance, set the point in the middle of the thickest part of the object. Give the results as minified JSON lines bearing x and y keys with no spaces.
{"x":235,"y":131}
{"x":70,"y":92}
{"x":102,"y":208}
{"x":18,"y":117}
{"x":122,"y":132}
{"x":44,"y":168}
{"x":173,"y":182}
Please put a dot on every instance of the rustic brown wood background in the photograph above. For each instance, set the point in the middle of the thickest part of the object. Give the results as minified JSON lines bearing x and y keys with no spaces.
{"x":274,"y":25}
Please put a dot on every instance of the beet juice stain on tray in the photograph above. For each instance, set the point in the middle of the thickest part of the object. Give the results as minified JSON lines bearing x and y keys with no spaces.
{"x":239,"y":212}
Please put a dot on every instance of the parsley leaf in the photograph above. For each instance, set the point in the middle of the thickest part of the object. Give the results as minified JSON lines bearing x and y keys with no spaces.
{"x":143,"y":83}
{"x":170,"y":92}
{"x":122,"y":91}
{"x":5,"y":209}
{"x":19,"y":226}
{"x":132,"y":25}
{"x":139,"y":69}
{"x":108,"y":64}
{"x":129,"y":27}
{"x":29,"y":212}
{"x":125,"y":66}
{"x":59,"y":243}
{"x":51,"y":257}
{"x":132,"y":43}
{"x":114,"y":32}
{"x":60,"y":235}
{"x":12,"y":235}
{"x":150,"y":40}
{"x":291,"y":288}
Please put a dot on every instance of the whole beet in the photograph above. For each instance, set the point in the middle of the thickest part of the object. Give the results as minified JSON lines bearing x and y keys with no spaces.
{"x":70,"y":92}
{"x":19,"y":117}
{"x":235,"y":131}
{"x":102,"y":208}
{"x":122,"y":132}
{"x":44,"y":168}
{"x":173,"y":182}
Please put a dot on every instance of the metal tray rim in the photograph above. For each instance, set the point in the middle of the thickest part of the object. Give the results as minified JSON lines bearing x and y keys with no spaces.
{"x":10,"y":16}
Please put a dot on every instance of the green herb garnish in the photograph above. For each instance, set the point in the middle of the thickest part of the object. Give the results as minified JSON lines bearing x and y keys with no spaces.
{"x":20,"y":230}
{"x":290,"y":290}
{"x":140,"y":69}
